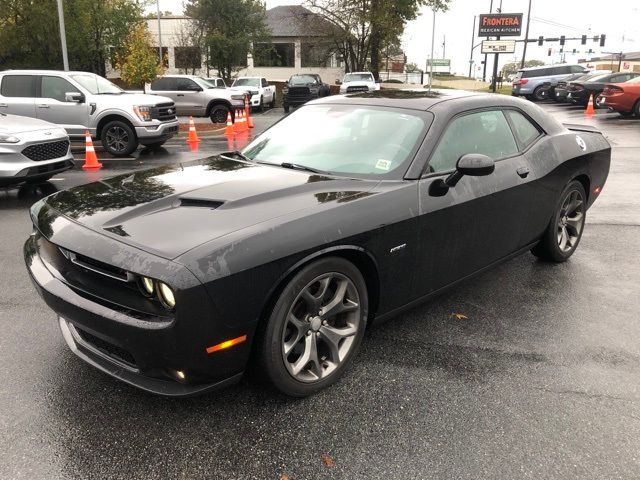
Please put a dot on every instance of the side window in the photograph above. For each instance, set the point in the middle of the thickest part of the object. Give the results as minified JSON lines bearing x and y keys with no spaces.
{"x":487,"y":133}
{"x":264,"y":82}
{"x":56,"y":88}
{"x":525,"y":131}
{"x":18,"y":86}
{"x":186,"y":85}
{"x":162,"y":84}
{"x":576,"y":69}
{"x":220,"y":83}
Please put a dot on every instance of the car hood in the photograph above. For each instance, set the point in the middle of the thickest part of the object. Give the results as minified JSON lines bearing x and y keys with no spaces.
{"x":172,"y":209}
{"x":128,"y":99}
{"x":14,"y":124}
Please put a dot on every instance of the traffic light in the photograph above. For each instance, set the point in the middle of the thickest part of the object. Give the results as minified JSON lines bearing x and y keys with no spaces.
{"x":584,"y":40}
{"x":590,"y":51}
{"x":540,"y":41}
{"x":602,"y":39}
{"x":575,"y":51}
{"x":549,"y":53}
{"x":562,"y":40}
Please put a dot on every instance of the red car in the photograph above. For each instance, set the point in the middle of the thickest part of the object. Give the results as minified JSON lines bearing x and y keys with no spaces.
{"x":624,"y":98}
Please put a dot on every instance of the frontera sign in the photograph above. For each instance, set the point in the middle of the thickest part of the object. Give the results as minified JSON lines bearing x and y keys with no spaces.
{"x":500,"y":24}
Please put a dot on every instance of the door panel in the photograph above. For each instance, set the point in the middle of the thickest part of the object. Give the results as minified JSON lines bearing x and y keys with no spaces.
{"x":51,"y":105}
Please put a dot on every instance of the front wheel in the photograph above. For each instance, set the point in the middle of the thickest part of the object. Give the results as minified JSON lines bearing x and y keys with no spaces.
{"x":564,"y":231}
{"x":218,"y":113}
{"x":118,"y":138}
{"x":315,"y":328}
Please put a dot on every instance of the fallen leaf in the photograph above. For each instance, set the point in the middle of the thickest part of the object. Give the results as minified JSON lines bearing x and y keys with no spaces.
{"x":284,"y":477}
{"x":459,"y":316}
{"x":327,"y":460}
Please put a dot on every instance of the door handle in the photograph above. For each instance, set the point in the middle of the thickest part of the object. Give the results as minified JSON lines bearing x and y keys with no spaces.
{"x":42,"y":106}
{"x":4,"y":105}
{"x":523,"y":171}
{"x":180,"y":95}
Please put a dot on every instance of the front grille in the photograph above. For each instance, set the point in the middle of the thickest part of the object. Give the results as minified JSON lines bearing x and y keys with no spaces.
{"x":106,"y":347}
{"x":164,"y":112}
{"x":357,"y":89}
{"x":46,"y":151}
{"x":299,"y":91}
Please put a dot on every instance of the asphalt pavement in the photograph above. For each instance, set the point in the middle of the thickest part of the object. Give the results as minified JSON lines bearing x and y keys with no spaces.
{"x":540,"y":380}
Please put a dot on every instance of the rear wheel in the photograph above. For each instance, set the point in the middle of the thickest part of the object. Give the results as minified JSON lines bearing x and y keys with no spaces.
{"x":315,"y":328}
{"x":540,"y":94}
{"x":564,"y":232}
{"x":118,"y":138}
{"x":636,"y":109}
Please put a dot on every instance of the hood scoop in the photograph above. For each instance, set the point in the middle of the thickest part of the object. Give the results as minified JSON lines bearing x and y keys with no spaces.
{"x":200,"y":202}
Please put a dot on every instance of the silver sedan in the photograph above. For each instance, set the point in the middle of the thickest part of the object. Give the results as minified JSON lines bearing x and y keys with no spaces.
{"x":31,"y":150}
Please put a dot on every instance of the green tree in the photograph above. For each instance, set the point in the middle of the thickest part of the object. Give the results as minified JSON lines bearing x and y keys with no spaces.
{"x":139,"y":62}
{"x":230,"y":29}
{"x":29,"y":32}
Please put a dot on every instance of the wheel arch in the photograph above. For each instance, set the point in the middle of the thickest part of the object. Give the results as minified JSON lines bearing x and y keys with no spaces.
{"x":218,"y":101}
{"x":584,"y":179}
{"x":111,"y":117}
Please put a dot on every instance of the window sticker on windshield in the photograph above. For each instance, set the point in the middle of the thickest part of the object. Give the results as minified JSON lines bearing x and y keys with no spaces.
{"x":383,"y":165}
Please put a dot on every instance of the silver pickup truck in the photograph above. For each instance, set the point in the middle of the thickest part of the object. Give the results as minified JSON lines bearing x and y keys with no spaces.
{"x":80,"y":101}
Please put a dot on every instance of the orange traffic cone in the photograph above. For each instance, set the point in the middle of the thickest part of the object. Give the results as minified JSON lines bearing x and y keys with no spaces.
{"x":90,"y":158}
{"x":249,"y":119}
{"x":193,"y":135}
{"x":229,"y":131}
{"x":590,"y":110}
{"x":236,"y":122}
{"x":243,"y":122}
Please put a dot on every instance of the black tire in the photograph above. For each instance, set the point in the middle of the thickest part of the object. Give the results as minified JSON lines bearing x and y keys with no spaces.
{"x":286,"y":108}
{"x":273,"y":101}
{"x":280,"y":333}
{"x":218,"y":113}
{"x":539,"y":94}
{"x":636,"y":109}
{"x":261,"y":106}
{"x":118,"y":138}
{"x":550,"y":247}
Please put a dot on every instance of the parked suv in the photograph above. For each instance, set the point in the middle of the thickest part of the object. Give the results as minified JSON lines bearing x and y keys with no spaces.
{"x":196,"y":96}
{"x":80,"y":101}
{"x":528,"y":81}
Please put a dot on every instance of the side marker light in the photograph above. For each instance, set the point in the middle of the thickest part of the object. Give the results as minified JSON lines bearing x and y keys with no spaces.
{"x":227,"y":344}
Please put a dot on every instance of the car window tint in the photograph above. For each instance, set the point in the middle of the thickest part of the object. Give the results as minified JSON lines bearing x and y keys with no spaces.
{"x":526,"y":131}
{"x":264,"y":83}
{"x":18,"y":86}
{"x":487,"y":133}
{"x":55,"y":88}
{"x":185,"y":84}
{"x":162,"y":84}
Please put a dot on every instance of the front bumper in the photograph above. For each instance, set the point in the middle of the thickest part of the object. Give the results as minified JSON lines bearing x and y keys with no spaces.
{"x":16,"y":167}
{"x":159,"y":131}
{"x":143,"y":351}
{"x":298,"y":100}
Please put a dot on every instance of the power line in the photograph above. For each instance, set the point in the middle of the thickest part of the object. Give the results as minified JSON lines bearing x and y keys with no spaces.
{"x":555,"y":24}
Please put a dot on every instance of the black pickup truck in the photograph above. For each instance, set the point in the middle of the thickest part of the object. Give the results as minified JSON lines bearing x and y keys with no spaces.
{"x":302,"y":88}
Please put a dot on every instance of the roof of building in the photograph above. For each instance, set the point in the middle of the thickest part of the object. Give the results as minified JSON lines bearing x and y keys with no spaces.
{"x":628,"y":56}
{"x":296,"y":21}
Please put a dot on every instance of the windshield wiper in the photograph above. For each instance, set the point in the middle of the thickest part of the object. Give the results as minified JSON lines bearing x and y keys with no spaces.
{"x":237,"y":154}
{"x":297,"y":166}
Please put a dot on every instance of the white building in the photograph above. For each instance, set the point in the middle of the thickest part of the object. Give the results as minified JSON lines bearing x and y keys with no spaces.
{"x":294,"y":48}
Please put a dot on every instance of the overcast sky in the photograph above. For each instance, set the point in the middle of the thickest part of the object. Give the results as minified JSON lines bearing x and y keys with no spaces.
{"x":619,"y":20}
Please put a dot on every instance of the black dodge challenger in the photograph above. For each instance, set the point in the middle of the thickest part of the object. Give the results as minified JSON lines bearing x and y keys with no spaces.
{"x":343,"y":213}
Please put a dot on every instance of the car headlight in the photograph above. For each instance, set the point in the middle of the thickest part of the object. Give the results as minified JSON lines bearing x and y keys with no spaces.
{"x":6,"y":138}
{"x":314,"y":90}
{"x":166,"y":295}
{"x":143,"y":112}
{"x":237,"y":97}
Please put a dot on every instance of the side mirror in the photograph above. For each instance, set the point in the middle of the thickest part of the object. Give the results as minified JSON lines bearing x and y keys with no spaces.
{"x":74,"y":97}
{"x":473,"y":165}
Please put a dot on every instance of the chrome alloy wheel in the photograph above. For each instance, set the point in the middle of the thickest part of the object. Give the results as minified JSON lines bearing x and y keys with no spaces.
{"x":570,"y":221}
{"x":321,"y":327}
{"x":117,"y":139}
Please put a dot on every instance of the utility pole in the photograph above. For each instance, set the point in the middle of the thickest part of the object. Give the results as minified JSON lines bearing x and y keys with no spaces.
{"x":159,"y":33}
{"x":526,"y":36}
{"x":433,"y":41}
{"x":63,"y":37}
{"x":473,"y":36}
{"x":495,"y":61}
{"x":484,"y":70}
{"x":444,"y":47}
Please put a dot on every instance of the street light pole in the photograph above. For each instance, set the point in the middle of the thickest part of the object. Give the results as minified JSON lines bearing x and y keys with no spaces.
{"x":473,"y":36}
{"x":433,"y":40}
{"x":63,"y":37}
{"x":526,"y":36}
{"x":159,"y":33}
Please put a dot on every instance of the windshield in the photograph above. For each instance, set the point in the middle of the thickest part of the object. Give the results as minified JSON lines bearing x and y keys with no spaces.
{"x":302,"y":80}
{"x":97,"y":85}
{"x":358,"y":77}
{"x":247,"y":82}
{"x":343,"y":139}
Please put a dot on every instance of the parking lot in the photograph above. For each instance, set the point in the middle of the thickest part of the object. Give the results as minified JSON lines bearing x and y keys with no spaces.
{"x":538,"y":378}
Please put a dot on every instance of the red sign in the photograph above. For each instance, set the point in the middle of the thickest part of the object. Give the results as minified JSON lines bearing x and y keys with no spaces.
{"x":500,"y":25}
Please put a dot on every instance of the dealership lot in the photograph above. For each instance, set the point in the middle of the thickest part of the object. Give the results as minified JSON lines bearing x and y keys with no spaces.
{"x":528,"y":371}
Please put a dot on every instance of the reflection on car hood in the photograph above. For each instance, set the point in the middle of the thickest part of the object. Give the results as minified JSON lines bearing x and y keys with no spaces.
{"x":128,"y":99}
{"x":172,"y":209}
{"x":14,"y":124}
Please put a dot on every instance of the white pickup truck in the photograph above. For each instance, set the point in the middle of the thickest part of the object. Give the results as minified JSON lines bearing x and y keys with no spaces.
{"x":261,"y":92}
{"x":357,"y":82}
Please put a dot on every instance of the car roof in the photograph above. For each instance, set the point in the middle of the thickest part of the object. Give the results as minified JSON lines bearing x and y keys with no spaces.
{"x":529,"y":69}
{"x":36,"y":72}
{"x":414,"y":99}
{"x":179,"y":75}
